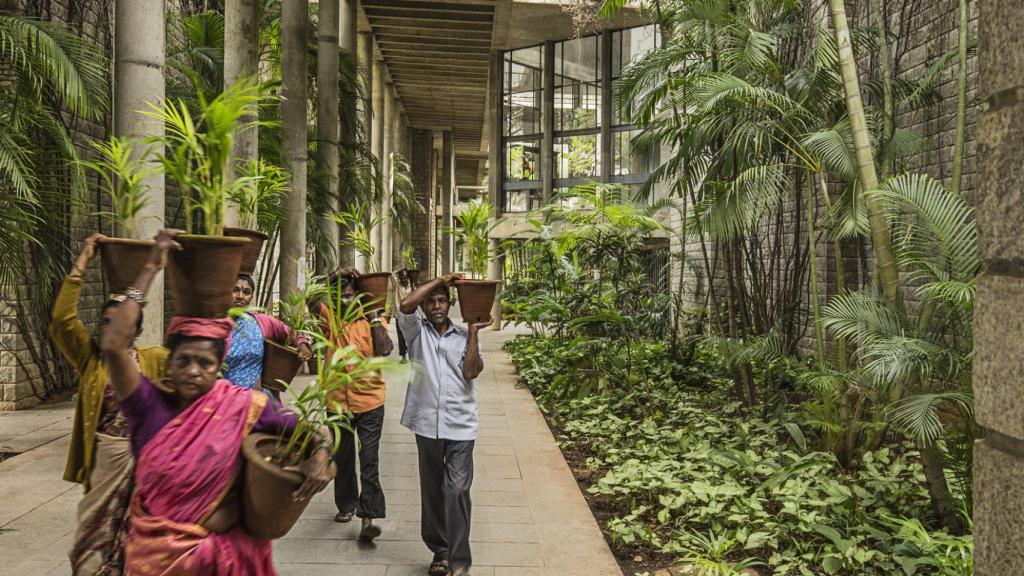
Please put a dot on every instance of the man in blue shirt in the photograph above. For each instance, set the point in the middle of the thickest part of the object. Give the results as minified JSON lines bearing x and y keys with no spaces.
{"x":440,"y":408}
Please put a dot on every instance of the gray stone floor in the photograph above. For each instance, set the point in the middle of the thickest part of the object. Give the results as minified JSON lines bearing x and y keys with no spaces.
{"x":529,"y":518}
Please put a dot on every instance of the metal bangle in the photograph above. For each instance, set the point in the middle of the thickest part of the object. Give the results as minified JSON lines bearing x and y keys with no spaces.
{"x":135,"y":295}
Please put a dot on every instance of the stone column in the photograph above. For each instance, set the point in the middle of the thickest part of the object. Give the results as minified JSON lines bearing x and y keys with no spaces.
{"x":347,"y":42}
{"x":241,"y":60}
{"x":421,"y":155}
{"x":386,"y":228}
{"x":999,"y":359}
{"x":328,"y":130}
{"x":365,"y":49}
{"x":139,"y":78}
{"x":495,"y":271}
{"x":377,"y":142}
{"x":294,"y":24}
{"x":447,"y":188}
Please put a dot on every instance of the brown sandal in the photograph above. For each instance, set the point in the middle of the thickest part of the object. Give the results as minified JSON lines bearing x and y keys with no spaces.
{"x":344,"y":517}
{"x":438,"y":568}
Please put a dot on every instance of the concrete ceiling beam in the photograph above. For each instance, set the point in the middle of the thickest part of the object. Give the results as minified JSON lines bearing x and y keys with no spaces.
{"x":430,"y":15}
{"x":454,"y":28}
{"x":428,"y":5}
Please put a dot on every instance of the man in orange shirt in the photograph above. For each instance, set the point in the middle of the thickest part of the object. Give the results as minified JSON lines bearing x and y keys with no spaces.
{"x":366,"y":403}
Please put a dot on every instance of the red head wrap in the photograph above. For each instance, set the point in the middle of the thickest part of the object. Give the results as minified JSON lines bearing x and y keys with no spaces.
{"x":213,"y":328}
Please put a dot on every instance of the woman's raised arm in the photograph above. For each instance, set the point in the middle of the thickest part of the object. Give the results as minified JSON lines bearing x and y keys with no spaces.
{"x":120,"y":333}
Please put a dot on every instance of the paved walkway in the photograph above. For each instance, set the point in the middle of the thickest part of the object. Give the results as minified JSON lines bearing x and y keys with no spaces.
{"x":529,"y":518}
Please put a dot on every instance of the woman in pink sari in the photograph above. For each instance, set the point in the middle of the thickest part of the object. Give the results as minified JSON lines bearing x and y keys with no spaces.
{"x":187,"y":443}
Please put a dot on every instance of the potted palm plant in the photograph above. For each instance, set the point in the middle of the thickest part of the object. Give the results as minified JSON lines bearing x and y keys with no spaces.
{"x":269,"y":511}
{"x":263,"y":185}
{"x":476,"y":295}
{"x":123,"y":174}
{"x":196,"y":153}
{"x":358,"y":224}
{"x":281,"y":363}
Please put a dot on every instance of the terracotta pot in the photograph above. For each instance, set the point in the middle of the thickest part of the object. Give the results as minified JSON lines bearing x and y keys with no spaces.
{"x":414,"y":277}
{"x":476,"y":297}
{"x":279,"y":363}
{"x":268,"y":510}
{"x":376,"y":286}
{"x":203,"y":273}
{"x":123,"y":260}
{"x":251,"y":257}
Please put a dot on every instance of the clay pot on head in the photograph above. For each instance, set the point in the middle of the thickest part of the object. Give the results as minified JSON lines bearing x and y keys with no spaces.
{"x":251,"y":257}
{"x":280,"y":364}
{"x":375,"y":285}
{"x":203,"y":274}
{"x":268,"y":509}
{"x":476,"y":297}
{"x":414,"y":277}
{"x":123,"y":259}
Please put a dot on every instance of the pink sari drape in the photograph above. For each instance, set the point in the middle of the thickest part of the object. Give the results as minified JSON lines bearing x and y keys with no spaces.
{"x":182,"y":475}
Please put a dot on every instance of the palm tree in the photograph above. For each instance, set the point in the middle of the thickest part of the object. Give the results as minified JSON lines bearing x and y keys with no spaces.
{"x":919,"y":364}
{"x":880,"y":238}
{"x":51,"y":70}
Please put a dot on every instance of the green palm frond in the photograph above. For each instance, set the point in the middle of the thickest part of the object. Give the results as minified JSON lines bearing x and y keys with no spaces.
{"x":918,"y":415}
{"x":862,"y":317}
{"x":56,"y":61}
{"x":933,"y":229}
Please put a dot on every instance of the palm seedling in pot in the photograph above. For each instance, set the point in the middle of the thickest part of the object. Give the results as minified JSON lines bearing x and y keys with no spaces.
{"x":123,"y":173}
{"x":268,"y":508}
{"x":263,"y":186}
{"x":196,"y":156}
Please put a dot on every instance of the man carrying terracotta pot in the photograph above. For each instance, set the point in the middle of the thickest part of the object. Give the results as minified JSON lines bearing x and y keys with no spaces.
{"x":366,"y":403}
{"x":441,"y":409}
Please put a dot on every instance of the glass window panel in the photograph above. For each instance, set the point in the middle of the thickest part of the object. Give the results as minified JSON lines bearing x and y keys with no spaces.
{"x":578,"y":156}
{"x":577,"y":60}
{"x":625,"y":159}
{"x":522,"y":200}
{"x":522,"y":113}
{"x":628,"y":46}
{"x":523,"y":89}
{"x":577,"y":84}
{"x":522,"y":160}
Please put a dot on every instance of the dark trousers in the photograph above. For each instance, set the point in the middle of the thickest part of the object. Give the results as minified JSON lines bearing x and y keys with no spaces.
{"x":403,"y":349}
{"x":446,"y":475}
{"x":368,"y":502}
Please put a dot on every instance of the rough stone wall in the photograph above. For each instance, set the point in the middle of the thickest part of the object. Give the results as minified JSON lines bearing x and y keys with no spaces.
{"x":999,"y":316}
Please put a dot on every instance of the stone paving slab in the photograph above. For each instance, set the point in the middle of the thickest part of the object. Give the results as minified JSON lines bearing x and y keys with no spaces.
{"x":529,"y":518}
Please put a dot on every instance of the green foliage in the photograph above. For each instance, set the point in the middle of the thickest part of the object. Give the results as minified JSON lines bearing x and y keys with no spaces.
{"x":405,"y":201}
{"x":48,"y":71}
{"x":198,"y":148}
{"x":476,"y":220}
{"x":122,"y":171}
{"x":260,"y":195}
{"x":689,"y":473}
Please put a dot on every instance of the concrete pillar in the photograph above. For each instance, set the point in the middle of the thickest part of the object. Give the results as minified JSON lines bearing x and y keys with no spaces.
{"x":365,"y":58}
{"x":241,"y":60}
{"x":421,"y":163}
{"x":138,"y":79}
{"x":328,"y":131}
{"x":999,"y":360}
{"x":495,"y":271}
{"x":377,"y":143}
{"x":347,"y":41}
{"x":495,"y":154}
{"x":365,"y":49}
{"x":294,"y":24}
{"x":447,"y":190}
{"x":547,"y":118}
{"x":387,"y":226}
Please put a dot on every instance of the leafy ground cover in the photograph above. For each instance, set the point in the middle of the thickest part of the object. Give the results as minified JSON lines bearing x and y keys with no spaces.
{"x":681,"y":474}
